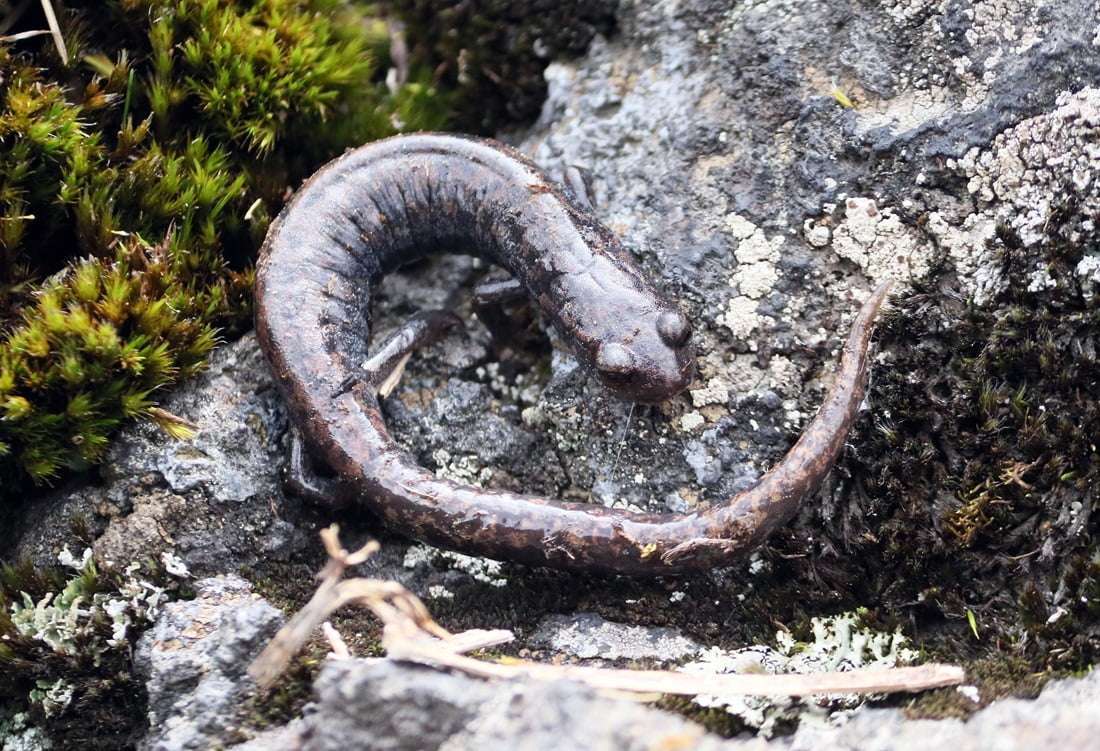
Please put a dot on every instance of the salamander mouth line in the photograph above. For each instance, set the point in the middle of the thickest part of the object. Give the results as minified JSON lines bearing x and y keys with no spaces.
{"x":401,"y":199}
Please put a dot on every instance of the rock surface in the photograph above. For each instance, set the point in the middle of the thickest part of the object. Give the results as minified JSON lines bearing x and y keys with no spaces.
{"x":383,"y":706}
{"x":588,"y":636}
{"x":380,"y":705}
{"x":213,"y":500}
{"x":1059,"y":718}
{"x":193,"y":661}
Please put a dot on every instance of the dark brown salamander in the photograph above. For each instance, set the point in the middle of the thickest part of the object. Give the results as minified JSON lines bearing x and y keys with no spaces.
{"x":398,"y":200}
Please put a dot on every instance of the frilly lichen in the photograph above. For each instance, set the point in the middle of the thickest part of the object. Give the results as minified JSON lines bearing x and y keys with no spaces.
{"x":56,"y":644}
{"x":839,"y":643}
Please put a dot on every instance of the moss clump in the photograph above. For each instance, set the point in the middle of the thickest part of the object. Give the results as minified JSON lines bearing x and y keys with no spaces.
{"x":975,"y":482}
{"x":66,"y":639}
{"x":493,"y":52}
{"x":136,"y":182}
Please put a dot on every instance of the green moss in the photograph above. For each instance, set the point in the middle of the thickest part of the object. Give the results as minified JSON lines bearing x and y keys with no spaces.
{"x":715,"y":719}
{"x":136,"y":184}
{"x":283,"y":701}
{"x":493,"y":52}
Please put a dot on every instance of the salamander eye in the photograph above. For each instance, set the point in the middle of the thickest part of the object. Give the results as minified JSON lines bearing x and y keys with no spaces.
{"x":613,"y":357}
{"x":674,"y":328}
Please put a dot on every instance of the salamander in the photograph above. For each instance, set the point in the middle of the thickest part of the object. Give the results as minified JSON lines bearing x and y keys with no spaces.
{"x":398,"y":200}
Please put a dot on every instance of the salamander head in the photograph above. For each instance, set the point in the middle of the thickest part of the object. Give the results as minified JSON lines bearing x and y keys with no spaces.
{"x":650,"y":360}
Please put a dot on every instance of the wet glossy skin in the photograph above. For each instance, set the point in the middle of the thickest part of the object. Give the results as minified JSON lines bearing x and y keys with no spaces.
{"x":397,"y":200}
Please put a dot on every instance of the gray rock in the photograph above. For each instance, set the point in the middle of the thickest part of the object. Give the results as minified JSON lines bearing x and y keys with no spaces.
{"x":193,"y":661}
{"x":385,"y":706}
{"x":213,"y":500}
{"x":378,"y":704}
{"x":1063,"y":716}
{"x":587,"y":636}
{"x":563,"y":715}
{"x":382,"y":706}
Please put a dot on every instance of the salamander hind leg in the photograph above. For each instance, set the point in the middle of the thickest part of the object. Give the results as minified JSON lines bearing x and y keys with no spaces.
{"x":498,"y":292}
{"x":576,"y":183}
{"x":302,"y":478}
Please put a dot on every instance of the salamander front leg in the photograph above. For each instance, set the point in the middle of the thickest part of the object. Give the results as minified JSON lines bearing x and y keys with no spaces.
{"x":381,"y":373}
{"x":501,"y":305}
{"x":498,"y":292}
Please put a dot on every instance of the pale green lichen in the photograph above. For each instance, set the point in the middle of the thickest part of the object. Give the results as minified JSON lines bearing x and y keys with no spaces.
{"x":17,"y":734}
{"x":66,"y":620}
{"x":52,"y":696}
{"x":839,"y":643}
{"x":85,"y":622}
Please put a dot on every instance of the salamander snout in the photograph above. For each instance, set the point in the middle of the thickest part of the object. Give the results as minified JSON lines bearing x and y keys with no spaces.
{"x":651,"y":364}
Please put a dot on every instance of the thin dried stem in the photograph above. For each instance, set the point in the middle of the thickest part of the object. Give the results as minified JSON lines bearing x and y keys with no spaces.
{"x":409,"y":633}
{"x":55,"y":30}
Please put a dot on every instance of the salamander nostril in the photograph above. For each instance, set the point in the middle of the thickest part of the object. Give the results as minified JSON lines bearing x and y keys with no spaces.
{"x":674,"y":328}
{"x":613,"y":357}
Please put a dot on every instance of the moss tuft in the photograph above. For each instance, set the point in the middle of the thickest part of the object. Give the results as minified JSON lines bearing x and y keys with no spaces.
{"x":493,"y":53}
{"x":975,"y":495}
{"x":136,"y":184}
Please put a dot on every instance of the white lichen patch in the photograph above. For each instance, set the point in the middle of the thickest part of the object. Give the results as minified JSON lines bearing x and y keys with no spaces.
{"x":1041,"y":279}
{"x":439,"y":592}
{"x":716,"y":391}
{"x":740,"y":227}
{"x":1040,"y":163}
{"x":817,"y":234}
{"x":741,"y":317}
{"x":587,"y":636}
{"x":970,"y":692}
{"x":465,"y":468}
{"x":783,"y":375}
{"x":755,"y":280}
{"x":1088,"y":274}
{"x":17,"y":734}
{"x":969,"y":247}
{"x":756,"y":255}
{"x":1011,"y":23}
{"x":480,"y":569}
{"x":880,"y":243}
{"x":691,"y":421}
{"x":839,"y":643}
{"x":910,"y":109}
{"x":1020,"y":181}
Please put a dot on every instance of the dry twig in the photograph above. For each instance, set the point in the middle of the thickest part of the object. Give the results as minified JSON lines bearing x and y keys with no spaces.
{"x":410,"y":634}
{"x":55,"y":31}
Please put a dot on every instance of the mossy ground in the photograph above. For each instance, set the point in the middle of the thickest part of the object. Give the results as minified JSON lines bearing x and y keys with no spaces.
{"x":107,"y":709}
{"x":492,"y":53}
